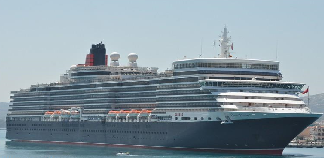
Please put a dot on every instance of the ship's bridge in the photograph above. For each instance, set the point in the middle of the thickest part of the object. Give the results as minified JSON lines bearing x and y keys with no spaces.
{"x":252,"y":84}
{"x":228,"y":68}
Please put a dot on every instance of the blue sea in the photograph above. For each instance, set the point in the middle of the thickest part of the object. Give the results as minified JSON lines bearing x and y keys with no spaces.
{"x":9,"y":149}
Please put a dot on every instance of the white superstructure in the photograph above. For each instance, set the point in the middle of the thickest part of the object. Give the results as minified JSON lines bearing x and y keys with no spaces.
{"x":224,"y":84}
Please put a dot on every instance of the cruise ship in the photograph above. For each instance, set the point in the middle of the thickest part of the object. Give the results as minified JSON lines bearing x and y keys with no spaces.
{"x":221,"y":104}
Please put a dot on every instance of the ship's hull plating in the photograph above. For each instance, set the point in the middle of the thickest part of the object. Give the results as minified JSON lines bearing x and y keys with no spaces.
{"x":254,"y":136}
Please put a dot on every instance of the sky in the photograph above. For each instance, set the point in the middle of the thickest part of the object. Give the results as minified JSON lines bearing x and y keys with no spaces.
{"x":41,"y":39}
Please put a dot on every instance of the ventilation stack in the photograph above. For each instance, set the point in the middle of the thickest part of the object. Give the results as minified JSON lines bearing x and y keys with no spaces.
{"x":97,"y":55}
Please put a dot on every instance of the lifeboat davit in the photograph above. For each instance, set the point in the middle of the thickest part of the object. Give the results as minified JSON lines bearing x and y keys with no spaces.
{"x":65,"y":114}
{"x":75,"y":114}
{"x":56,"y":113}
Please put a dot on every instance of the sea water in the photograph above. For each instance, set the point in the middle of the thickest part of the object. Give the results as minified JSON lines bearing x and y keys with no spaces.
{"x":11,"y":149}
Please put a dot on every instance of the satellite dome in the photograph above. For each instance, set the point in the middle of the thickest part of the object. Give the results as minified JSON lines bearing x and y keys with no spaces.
{"x":132,"y":57}
{"x":114,"y":56}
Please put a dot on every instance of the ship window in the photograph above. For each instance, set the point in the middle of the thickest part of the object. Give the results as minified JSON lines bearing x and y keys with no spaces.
{"x":195,"y":118}
{"x":185,"y":118}
{"x":202,"y":118}
{"x":176,"y":118}
{"x":209,"y":118}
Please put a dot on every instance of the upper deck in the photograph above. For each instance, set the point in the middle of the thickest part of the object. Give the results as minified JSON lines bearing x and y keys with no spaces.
{"x":228,"y":68}
{"x":226,"y":63}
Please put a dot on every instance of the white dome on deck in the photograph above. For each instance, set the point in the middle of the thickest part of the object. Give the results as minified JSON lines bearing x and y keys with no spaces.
{"x":132,"y":57}
{"x":114,"y":56}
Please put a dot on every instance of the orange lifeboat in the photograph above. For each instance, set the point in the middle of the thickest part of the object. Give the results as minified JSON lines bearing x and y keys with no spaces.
{"x":146,"y":111}
{"x":113,"y":112}
{"x":49,"y":113}
{"x":57,"y":112}
{"x":124,"y":111}
{"x":133,"y":111}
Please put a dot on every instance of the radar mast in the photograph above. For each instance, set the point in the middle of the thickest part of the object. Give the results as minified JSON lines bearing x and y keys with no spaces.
{"x":224,"y":44}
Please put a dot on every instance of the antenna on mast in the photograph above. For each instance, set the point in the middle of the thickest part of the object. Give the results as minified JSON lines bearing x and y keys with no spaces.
{"x":277,"y":50}
{"x":201,"y":47}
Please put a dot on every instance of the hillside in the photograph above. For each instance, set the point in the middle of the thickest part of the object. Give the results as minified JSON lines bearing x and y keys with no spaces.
{"x":316,"y":103}
{"x":3,"y":112}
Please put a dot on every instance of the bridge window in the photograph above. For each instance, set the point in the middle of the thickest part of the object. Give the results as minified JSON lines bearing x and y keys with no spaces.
{"x":228,"y":65}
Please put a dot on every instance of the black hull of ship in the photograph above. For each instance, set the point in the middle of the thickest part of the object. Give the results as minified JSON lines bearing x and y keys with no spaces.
{"x":256,"y":136}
